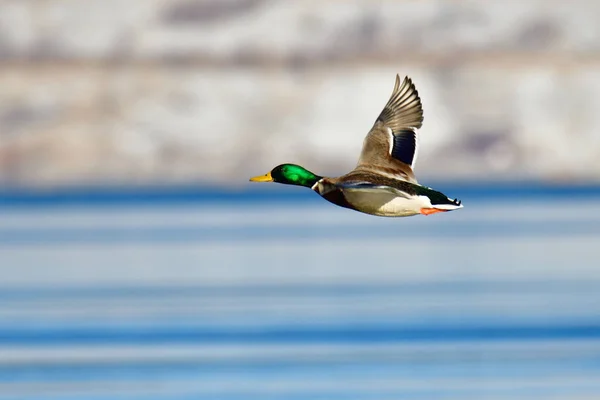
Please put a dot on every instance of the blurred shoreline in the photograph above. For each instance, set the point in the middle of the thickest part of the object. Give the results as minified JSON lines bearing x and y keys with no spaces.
{"x":252,"y":194}
{"x":198,"y":90}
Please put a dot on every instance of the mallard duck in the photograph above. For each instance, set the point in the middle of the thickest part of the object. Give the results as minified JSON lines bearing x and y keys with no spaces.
{"x":383,"y":182}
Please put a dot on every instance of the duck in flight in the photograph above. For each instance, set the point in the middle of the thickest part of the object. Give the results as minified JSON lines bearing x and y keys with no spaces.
{"x":383,"y":182}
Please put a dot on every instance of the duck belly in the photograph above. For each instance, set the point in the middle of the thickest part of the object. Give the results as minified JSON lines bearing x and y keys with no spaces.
{"x":386,"y":204}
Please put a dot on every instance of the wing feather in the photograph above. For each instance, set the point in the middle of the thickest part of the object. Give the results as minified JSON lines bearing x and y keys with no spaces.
{"x":404,"y":109}
{"x":391,"y":146}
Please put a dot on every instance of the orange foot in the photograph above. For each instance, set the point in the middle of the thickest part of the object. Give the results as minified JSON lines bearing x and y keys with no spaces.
{"x":429,"y":211}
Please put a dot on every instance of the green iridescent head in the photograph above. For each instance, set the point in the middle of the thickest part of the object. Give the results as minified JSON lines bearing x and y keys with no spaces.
{"x":289,"y":174}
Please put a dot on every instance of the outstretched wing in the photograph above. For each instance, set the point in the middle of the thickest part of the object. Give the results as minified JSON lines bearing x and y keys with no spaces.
{"x":390,"y":147}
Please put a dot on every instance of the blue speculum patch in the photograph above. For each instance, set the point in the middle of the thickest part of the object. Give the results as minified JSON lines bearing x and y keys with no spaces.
{"x":405,"y":143}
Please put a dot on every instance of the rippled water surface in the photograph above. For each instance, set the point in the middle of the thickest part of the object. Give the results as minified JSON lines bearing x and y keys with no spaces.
{"x":500,"y":300}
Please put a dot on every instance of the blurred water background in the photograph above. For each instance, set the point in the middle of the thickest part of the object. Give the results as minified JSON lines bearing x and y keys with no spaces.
{"x":138,"y":263}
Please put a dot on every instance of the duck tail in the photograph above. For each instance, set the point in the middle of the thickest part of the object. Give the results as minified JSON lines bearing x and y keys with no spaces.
{"x":447,"y":204}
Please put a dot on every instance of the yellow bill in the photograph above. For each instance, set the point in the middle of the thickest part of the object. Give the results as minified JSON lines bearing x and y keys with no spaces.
{"x":262,"y":178}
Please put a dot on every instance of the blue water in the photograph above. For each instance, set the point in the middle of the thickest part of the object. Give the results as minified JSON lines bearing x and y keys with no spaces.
{"x":200,"y":294}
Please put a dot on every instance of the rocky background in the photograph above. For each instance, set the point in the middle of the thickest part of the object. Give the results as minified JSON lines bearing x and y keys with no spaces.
{"x":214,"y":91}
